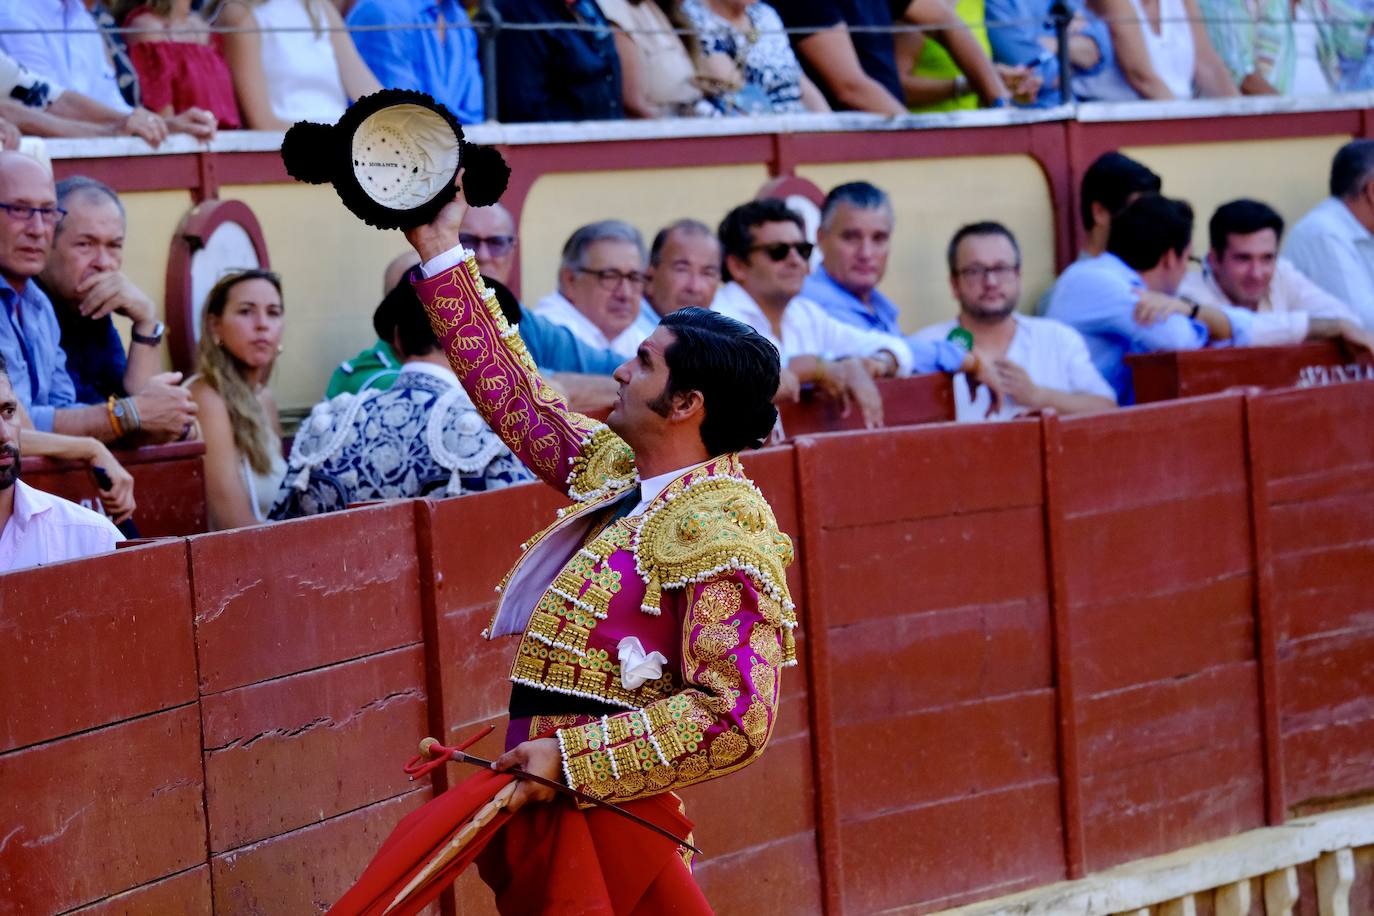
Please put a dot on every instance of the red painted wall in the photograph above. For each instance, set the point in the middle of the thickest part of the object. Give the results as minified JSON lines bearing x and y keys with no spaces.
{"x":1030,"y":650}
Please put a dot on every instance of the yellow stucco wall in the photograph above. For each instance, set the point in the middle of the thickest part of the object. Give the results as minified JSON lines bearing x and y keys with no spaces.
{"x":332,"y":264}
{"x":647,"y":198}
{"x":932,"y":198}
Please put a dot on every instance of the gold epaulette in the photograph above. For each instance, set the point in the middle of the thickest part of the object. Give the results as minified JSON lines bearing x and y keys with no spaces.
{"x":605,"y":463}
{"x":717,"y":524}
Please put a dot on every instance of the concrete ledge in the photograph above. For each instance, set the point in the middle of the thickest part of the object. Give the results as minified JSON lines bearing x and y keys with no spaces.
{"x":1137,"y":885}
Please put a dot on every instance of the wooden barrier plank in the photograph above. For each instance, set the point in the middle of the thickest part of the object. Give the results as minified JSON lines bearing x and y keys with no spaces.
{"x":910,"y":401}
{"x":186,"y":894}
{"x":169,"y":485}
{"x":778,"y":879}
{"x":278,"y":599}
{"x":94,"y":641}
{"x":102,"y":812}
{"x":1189,"y":373}
{"x":297,"y":750}
{"x":306,"y":870}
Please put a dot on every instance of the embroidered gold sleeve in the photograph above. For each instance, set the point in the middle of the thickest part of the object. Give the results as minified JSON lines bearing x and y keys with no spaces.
{"x":732,"y":655}
{"x":574,"y":453}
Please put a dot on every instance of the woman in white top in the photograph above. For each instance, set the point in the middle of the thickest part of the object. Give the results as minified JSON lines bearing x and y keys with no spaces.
{"x":240,"y":337}
{"x":291,"y":61}
{"x":657,"y":75}
{"x":1162,"y":52}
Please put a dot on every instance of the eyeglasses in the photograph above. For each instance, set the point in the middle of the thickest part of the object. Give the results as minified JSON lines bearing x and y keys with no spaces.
{"x":777,"y":251}
{"x":610,"y":280}
{"x":497,"y":245}
{"x":977,"y":273}
{"x":22,"y":214}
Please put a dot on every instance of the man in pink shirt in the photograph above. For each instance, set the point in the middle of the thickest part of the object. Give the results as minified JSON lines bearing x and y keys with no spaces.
{"x":37,"y":528}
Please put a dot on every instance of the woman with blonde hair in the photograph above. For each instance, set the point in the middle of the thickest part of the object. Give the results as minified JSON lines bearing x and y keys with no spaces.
{"x":241,"y":329}
{"x":291,"y":60}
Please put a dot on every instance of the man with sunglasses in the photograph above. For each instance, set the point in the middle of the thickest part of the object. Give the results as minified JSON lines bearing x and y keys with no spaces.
{"x":601,"y":283}
{"x":1024,"y":363}
{"x":30,"y":334}
{"x":767,"y":262}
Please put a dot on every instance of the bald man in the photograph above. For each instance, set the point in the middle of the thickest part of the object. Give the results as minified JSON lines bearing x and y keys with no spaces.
{"x":30,"y":336}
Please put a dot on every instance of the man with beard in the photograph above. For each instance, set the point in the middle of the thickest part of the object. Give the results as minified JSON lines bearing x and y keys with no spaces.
{"x":36,"y":527}
{"x":1028,"y":363}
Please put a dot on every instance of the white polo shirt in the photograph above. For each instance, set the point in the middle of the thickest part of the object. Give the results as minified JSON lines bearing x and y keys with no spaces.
{"x":1053,"y":354}
{"x":47,"y":529}
{"x":1337,"y":253}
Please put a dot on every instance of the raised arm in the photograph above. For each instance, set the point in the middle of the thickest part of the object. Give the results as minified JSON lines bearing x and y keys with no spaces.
{"x":571,"y":452}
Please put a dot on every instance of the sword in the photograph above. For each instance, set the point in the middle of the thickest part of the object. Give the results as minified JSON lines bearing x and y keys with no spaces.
{"x":433,"y":755}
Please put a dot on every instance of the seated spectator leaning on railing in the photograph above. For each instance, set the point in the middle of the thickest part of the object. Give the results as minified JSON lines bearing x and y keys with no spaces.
{"x":87,"y":287}
{"x":1022,"y":33}
{"x":600,"y":284}
{"x":747,"y":64}
{"x":955,"y":71}
{"x":658,"y":77}
{"x":1162,"y":52}
{"x":241,"y":327}
{"x":438,"y":55}
{"x":1121,"y":301}
{"x":557,"y":74}
{"x":37,"y":107}
{"x":684,"y":269}
{"x":60,"y":41}
{"x":419,"y":437}
{"x":855,"y":239}
{"x":766,"y":256}
{"x":856,"y":70}
{"x":30,"y":333}
{"x":1334,"y":243}
{"x":36,"y":527}
{"x":1243,"y":268}
{"x":291,"y":60}
{"x":179,"y":63}
{"x":1024,"y":363}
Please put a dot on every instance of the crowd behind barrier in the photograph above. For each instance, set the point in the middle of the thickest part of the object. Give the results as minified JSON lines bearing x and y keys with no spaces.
{"x":1133,"y":632}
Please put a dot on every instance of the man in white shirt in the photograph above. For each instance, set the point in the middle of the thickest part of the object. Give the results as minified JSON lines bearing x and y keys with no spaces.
{"x":766,"y":260}
{"x":1025,"y":363}
{"x":1334,"y":243}
{"x":36,"y":527}
{"x":1243,"y":268}
{"x":600,"y":284}
{"x":684,"y":268}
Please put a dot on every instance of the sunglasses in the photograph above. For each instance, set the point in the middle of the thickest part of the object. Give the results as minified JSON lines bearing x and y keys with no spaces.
{"x":778,"y":251}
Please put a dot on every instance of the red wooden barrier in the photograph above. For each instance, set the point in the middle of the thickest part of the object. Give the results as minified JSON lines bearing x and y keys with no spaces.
{"x":1149,"y":523}
{"x":906,"y":402}
{"x":169,"y":485}
{"x":312,"y":678}
{"x":927,"y":613}
{"x":99,"y":722}
{"x":1313,"y":459}
{"x":1187,"y":373}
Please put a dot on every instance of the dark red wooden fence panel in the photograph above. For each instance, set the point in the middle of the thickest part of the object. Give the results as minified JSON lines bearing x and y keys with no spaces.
{"x":1149,"y":519}
{"x":1189,"y":373}
{"x":928,"y":616}
{"x":1312,"y":453}
{"x":906,"y":402}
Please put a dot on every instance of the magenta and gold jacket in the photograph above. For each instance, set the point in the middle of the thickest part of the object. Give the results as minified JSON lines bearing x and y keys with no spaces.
{"x":680,"y":615}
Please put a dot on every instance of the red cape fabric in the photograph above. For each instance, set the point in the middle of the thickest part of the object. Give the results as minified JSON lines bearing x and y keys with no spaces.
{"x":415,"y":840}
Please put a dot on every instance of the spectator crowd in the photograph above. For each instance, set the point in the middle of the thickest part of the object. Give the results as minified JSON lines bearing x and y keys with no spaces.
{"x":79,"y":68}
{"x":394,"y":422}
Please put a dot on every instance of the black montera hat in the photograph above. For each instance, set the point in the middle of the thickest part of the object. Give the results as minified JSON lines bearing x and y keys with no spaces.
{"x":393,"y":158}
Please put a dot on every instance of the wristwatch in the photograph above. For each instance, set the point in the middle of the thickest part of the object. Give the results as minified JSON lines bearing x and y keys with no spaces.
{"x":152,"y":339}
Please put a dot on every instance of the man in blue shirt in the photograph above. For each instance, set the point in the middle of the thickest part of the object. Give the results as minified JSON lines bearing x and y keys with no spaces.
{"x":438,"y":56}
{"x":557,"y":74}
{"x":1023,"y":34}
{"x":1123,"y":301}
{"x":855,"y":238}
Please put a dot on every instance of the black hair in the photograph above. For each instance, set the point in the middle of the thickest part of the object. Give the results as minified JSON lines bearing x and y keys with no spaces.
{"x":736,"y":370}
{"x":1149,"y":227}
{"x":861,"y":195}
{"x":1351,"y":168}
{"x":4,"y":367}
{"x":986,"y":227}
{"x":1111,"y":181}
{"x":1242,"y":217}
{"x":402,"y":313}
{"x":736,"y":231}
